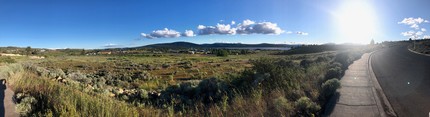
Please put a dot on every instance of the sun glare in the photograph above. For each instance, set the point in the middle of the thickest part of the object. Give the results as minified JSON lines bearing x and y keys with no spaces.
{"x":356,"y":21}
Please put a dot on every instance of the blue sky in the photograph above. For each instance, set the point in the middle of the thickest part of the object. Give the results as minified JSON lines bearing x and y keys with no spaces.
{"x":98,"y":23}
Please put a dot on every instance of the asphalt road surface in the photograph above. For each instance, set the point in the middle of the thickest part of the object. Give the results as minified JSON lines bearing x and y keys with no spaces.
{"x":405,"y":78}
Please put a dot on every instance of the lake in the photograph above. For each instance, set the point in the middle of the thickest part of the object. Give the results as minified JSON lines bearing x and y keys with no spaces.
{"x":259,"y":48}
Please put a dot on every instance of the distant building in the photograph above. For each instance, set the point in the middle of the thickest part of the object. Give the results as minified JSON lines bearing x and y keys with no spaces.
{"x":104,"y":53}
{"x":191,"y":52}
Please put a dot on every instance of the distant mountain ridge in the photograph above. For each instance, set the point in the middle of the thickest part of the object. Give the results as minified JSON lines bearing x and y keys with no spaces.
{"x":214,"y":45}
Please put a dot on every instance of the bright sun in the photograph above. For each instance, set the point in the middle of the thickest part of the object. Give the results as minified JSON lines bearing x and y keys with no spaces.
{"x":356,"y":22}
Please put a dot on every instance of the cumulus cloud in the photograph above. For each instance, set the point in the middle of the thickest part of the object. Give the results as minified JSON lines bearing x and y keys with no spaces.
{"x":218,"y":29}
{"x":412,"y":34}
{"x":166,"y":33}
{"x":251,"y":27}
{"x":419,"y":33}
{"x":188,"y":33}
{"x":244,"y":27}
{"x":415,"y":26}
{"x":267,"y":28}
{"x":302,"y":33}
{"x":414,"y":23}
{"x":409,"y":33}
{"x":426,"y":37}
{"x":248,"y":22}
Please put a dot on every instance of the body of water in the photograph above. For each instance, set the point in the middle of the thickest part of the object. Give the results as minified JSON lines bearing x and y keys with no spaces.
{"x":260,"y":48}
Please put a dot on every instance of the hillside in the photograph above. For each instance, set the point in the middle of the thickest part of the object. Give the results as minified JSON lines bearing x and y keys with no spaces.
{"x":421,"y":46}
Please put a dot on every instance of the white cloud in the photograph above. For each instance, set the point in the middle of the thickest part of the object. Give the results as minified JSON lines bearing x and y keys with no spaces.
{"x":415,"y":26}
{"x":166,"y":33}
{"x":289,"y":32}
{"x":251,"y":27}
{"x":412,"y":21}
{"x":218,"y":29}
{"x":301,"y":33}
{"x":426,"y":37}
{"x":188,"y":33}
{"x":412,"y":34}
{"x":419,"y":33}
{"x":245,"y":27}
{"x":267,"y":28}
{"x":247,"y":22}
{"x":409,"y":33}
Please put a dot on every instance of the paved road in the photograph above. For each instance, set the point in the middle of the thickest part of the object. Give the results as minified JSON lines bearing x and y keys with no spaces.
{"x":405,"y":78}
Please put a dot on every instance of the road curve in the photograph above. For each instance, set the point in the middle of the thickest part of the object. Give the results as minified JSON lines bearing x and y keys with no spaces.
{"x":405,"y":78}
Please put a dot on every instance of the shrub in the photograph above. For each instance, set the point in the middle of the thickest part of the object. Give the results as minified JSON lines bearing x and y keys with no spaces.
{"x":165,"y":65}
{"x":306,"y":107}
{"x":343,"y":58}
{"x":143,"y":94}
{"x":278,"y":73}
{"x":61,"y":100}
{"x":211,"y":90}
{"x":7,"y":59}
{"x":244,"y":51}
{"x":26,"y":105}
{"x":38,"y":70}
{"x":80,"y":77}
{"x":102,"y":72}
{"x":186,"y":64}
{"x":56,"y":73}
{"x":322,"y":59}
{"x":222,"y":53}
{"x":305,"y":63}
{"x":187,"y":95}
{"x":329,"y":88}
{"x":346,"y":58}
{"x":335,"y":72}
{"x":283,"y":106}
{"x":144,"y":76}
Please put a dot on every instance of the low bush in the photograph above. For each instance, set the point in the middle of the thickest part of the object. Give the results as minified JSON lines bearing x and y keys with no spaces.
{"x":59,"y":100}
{"x":283,"y":106}
{"x":7,"y":59}
{"x":305,"y":63}
{"x":222,"y":53}
{"x":335,"y":72}
{"x":26,"y":104}
{"x":306,"y":107}
{"x":329,"y":88}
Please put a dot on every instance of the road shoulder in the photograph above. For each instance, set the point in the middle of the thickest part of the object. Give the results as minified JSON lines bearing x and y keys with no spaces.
{"x":418,"y":52}
{"x":382,"y":99}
